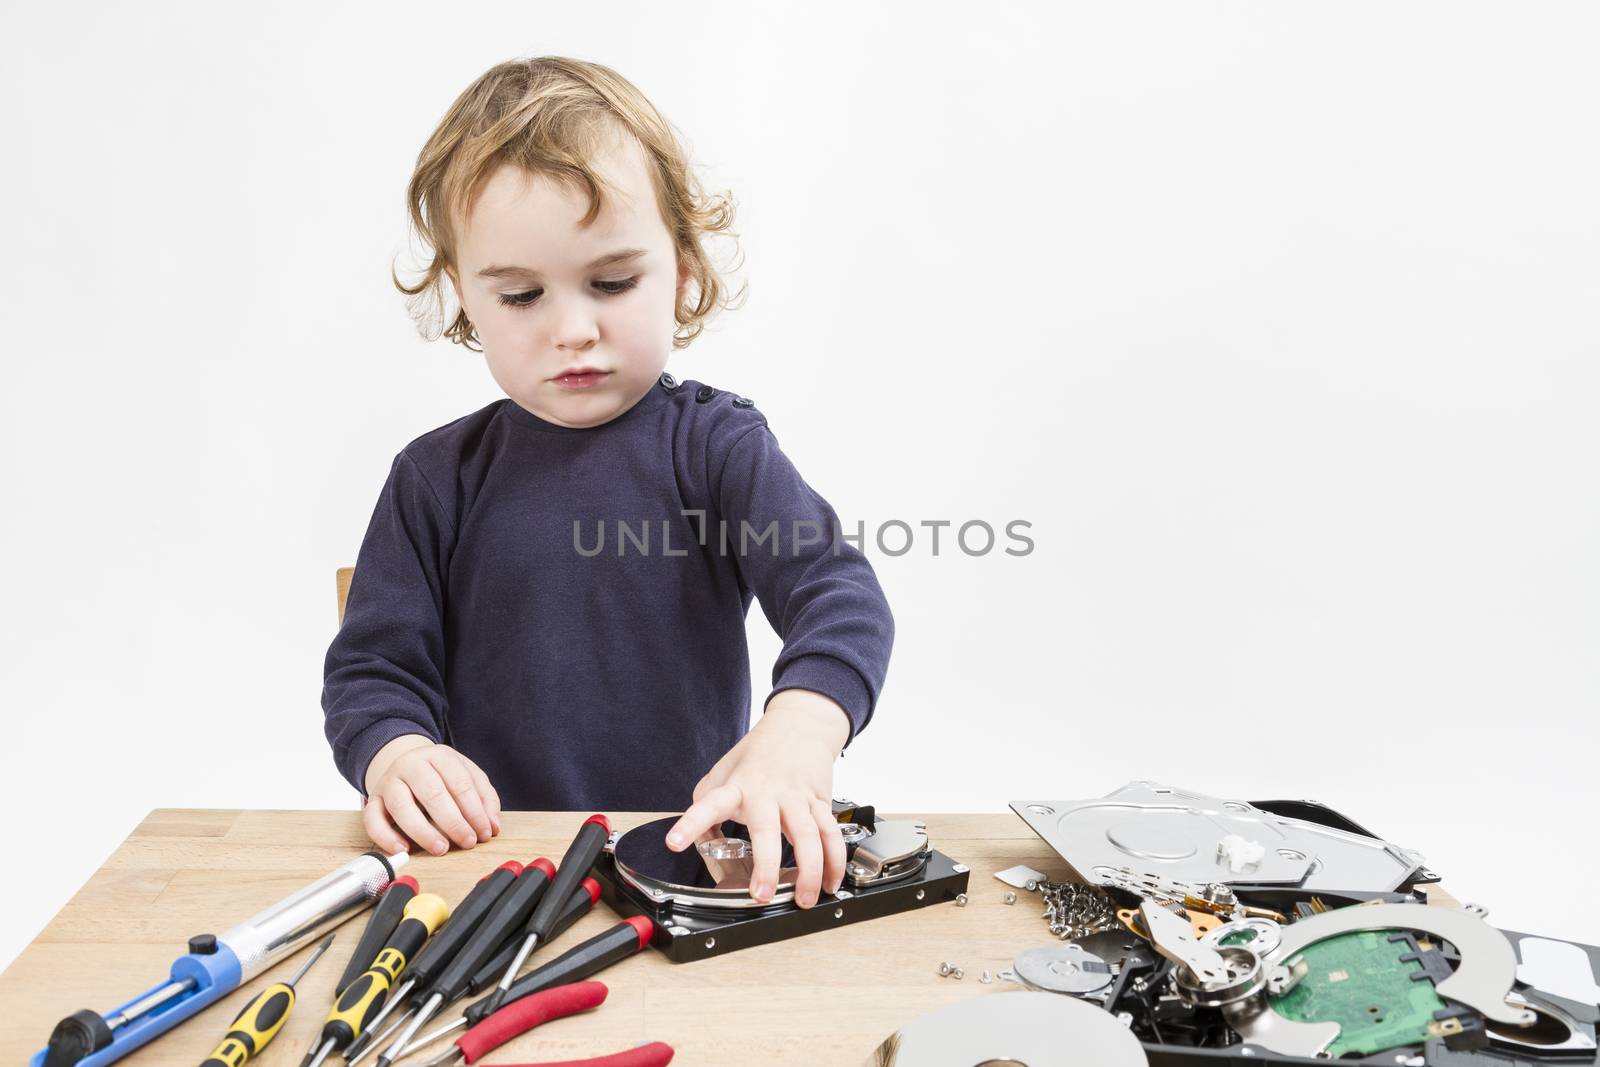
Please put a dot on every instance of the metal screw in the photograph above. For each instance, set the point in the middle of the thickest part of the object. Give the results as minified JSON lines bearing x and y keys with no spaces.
{"x":1011,"y":898}
{"x":944,"y":969}
{"x":958,"y":974}
{"x":961,"y":899}
{"x":711,"y":942}
{"x":985,"y":978}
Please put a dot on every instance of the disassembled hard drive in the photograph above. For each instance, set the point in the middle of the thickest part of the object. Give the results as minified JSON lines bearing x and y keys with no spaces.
{"x":1248,"y":934}
{"x":699,"y":899}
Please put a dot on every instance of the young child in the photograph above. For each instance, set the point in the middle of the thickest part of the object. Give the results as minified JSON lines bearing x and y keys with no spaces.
{"x":548,"y":608}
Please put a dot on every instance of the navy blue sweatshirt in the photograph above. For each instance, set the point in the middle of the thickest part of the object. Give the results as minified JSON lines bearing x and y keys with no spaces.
{"x":567,"y":606}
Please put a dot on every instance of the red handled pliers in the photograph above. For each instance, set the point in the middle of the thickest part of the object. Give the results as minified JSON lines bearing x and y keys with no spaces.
{"x":520,"y":1016}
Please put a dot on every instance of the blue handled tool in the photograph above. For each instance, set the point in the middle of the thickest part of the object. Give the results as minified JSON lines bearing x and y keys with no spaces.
{"x":215,"y":966}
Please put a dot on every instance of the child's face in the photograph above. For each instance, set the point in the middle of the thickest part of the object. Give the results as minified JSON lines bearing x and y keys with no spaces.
{"x":541,"y":306}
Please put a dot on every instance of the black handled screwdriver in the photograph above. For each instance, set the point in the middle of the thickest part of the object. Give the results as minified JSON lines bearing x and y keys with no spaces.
{"x":487,"y":975}
{"x":386,"y":915}
{"x":583,"y":899}
{"x":261,"y":1019}
{"x":472,"y":910}
{"x":574,"y":866}
{"x":513,"y":908}
{"x":361,"y":1000}
{"x":615,"y":943}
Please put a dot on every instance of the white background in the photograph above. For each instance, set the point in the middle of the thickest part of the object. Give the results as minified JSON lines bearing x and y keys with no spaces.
{"x":1277,"y":321}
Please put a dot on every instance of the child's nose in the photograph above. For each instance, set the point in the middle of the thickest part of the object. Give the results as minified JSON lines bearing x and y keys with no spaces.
{"x":574,"y":327}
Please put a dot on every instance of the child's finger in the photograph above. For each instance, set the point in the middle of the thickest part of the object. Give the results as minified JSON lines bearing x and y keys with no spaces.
{"x":491,"y":799}
{"x":380,"y":829}
{"x":766,"y":842}
{"x":452,"y":769}
{"x":833,"y":850}
{"x":801,"y":827}
{"x":440,"y":804}
{"x":710,"y":810}
{"x":403,"y":810}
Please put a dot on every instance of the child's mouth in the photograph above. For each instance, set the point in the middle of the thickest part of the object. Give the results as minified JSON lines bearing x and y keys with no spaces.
{"x":581,"y":379}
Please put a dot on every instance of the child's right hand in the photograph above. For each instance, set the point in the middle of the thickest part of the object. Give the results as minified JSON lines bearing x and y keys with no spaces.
{"x":430,"y":793}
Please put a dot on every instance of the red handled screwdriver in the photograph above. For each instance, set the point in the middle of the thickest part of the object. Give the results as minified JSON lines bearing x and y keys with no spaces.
{"x":582,"y":902}
{"x":574,"y":866}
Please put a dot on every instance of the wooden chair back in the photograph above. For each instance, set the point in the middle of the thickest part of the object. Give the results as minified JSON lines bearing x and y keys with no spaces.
{"x":341,"y":579}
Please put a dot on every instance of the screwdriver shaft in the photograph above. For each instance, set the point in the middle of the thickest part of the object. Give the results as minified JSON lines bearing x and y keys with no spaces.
{"x":315,"y":956}
{"x":366,"y":1042}
{"x":424,"y":1013}
{"x":498,"y":997}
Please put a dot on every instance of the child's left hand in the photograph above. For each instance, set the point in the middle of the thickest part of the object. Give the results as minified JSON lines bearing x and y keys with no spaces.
{"x":779,"y":777}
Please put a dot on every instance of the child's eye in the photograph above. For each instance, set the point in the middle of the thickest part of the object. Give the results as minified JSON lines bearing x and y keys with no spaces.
{"x":528,"y":297}
{"x":520,"y":300}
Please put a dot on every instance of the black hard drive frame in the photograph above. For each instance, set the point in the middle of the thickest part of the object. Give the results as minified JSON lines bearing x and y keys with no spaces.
{"x":686,"y":934}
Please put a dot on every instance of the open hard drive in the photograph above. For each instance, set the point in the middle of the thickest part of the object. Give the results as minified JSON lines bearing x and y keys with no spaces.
{"x":1221,"y":931}
{"x":699,"y":898}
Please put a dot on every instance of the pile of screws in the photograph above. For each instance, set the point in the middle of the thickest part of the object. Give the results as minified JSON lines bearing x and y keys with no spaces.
{"x":1076,"y":910}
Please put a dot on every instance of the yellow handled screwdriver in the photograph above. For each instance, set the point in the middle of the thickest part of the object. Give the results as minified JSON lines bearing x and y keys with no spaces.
{"x":363,"y":998}
{"x":261,"y":1019}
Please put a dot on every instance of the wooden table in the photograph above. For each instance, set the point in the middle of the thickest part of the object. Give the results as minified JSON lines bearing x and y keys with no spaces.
{"x":826,"y":998}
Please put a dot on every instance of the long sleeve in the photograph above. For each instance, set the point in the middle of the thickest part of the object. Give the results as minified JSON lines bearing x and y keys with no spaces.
{"x":384,"y":673}
{"x":818,"y":591}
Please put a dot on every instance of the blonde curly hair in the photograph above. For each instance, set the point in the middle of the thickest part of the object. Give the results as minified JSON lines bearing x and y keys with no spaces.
{"x":549,"y":115}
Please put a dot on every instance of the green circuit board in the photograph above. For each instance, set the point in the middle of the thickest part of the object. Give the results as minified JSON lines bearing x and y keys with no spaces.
{"x":1359,"y":981}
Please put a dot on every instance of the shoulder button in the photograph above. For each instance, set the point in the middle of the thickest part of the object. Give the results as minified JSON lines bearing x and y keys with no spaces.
{"x":743,"y":402}
{"x":668,"y":382}
{"x":704,"y":393}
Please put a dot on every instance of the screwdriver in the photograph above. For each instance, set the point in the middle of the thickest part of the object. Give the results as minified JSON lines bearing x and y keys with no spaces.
{"x":581,"y":854}
{"x":513,"y":908}
{"x":581,"y":961}
{"x":362,"y":999}
{"x":582,"y":900}
{"x":386,"y":915}
{"x":442,"y":949}
{"x":487,"y":975}
{"x":261,"y":1019}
